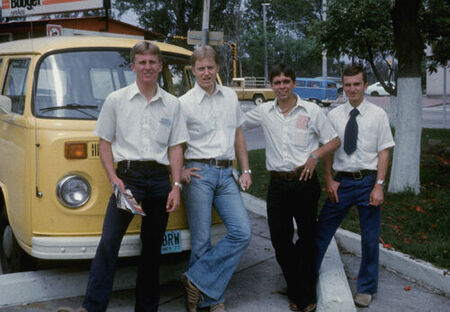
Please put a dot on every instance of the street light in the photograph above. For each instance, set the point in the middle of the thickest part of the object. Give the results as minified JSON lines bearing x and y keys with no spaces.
{"x":266,"y":70}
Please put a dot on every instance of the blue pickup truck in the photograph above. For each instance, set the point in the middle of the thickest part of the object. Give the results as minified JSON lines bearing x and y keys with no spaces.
{"x":320,"y":91}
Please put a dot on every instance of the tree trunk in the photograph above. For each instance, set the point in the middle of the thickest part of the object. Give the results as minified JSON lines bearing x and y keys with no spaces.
{"x":405,"y":173}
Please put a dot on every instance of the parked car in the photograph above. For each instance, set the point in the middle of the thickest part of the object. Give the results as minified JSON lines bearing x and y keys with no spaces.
{"x":53,"y":188}
{"x":252,"y":89}
{"x":319,"y":91}
{"x":376,"y":89}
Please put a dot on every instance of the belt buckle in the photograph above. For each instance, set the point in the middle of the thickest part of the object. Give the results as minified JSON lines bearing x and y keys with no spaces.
{"x":216,"y":163}
{"x":357,"y":175}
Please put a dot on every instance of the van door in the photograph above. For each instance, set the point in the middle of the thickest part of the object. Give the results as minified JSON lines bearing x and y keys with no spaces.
{"x":16,"y":144}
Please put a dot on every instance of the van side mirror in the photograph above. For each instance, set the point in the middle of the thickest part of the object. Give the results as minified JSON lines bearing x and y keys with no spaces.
{"x":5,"y":105}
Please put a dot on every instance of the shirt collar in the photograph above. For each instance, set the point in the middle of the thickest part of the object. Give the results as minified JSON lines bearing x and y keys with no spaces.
{"x":297,"y":104}
{"x":362,"y":107}
{"x":199,"y":93}
{"x":134,"y":91}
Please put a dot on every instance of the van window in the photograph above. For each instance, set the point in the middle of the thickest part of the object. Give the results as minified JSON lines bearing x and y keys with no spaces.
{"x":16,"y":82}
{"x":75,"y":84}
{"x":300,"y":83}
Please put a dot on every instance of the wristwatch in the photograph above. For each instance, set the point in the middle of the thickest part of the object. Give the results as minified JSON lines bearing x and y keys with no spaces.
{"x":247,"y":171}
{"x":381,"y":182}
{"x":178,"y":184}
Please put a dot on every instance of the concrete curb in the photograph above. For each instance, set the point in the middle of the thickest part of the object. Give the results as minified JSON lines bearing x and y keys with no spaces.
{"x":421,"y":272}
{"x":333,"y":291}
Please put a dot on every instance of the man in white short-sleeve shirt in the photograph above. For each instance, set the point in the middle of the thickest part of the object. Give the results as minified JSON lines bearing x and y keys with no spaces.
{"x":141,"y":128}
{"x":213,"y":117}
{"x":360,"y":165}
{"x":293,"y":129}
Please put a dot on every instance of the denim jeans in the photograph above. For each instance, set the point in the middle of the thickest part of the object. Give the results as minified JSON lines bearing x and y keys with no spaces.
{"x":150,"y":187}
{"x":211,"y":268}
{"x":354,"y":192}
{"x":288,"y":200}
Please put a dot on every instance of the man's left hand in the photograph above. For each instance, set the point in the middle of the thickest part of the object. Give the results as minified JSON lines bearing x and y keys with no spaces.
{"x":245,"y":181}
{"x":308,"y":169}
{"x":377,"y":196}
{"x":173,"y":200}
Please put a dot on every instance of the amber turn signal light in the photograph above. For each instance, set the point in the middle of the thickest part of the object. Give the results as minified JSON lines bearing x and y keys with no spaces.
{"x":75,"y":150}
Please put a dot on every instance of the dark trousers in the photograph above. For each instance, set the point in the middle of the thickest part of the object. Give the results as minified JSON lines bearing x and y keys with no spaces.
{"x":150,"y":187}
{"x":288,"y":200}
{"x":354,"y":192}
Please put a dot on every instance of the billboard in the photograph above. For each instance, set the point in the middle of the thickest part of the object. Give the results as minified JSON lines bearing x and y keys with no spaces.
{"x":14,"y":8}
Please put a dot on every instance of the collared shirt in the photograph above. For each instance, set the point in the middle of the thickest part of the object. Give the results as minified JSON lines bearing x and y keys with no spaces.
{"x":139,"y":129}
{"x":290,"y":139}
{"x":211,"y":121}
{"x":374,"y":135}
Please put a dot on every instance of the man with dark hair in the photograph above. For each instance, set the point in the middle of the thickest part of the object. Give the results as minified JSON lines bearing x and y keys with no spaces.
{"x":214,"y":117}
{"x":126,"y":130}
{"x":293,"y":129}
{"x":360,"y":166}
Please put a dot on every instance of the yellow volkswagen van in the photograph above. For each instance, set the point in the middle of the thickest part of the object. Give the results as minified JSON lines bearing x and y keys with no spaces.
{"x":53,"y":189}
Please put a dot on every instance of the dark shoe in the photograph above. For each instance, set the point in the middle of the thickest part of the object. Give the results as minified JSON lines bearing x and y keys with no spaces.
{"x":193,"y":294}
{"x":310,"y":307}
{"x":293,"y":306}
{"x":218,"y":307}
{"x":362,"y":300}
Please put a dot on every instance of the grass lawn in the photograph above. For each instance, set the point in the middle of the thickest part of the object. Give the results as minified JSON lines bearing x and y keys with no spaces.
{"x":418,"y":225}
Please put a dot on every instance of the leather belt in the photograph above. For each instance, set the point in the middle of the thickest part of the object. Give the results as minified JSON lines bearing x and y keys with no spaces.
{"x":287,"y":175}
{"x":214,"y":162}
{"x":356,"y":175}
{"x":140,"y":164}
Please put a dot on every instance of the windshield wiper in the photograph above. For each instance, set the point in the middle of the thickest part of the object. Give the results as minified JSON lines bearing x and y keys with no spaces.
{"x":73,"y":106}
{"x":68,"y":106}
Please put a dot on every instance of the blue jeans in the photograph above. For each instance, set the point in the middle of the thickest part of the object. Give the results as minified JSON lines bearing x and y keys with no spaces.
{"x":150,"y":187}
{"x":354,"y":192}
{"x":211,"y":268}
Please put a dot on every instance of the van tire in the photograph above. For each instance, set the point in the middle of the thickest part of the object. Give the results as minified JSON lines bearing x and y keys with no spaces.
{"x":13,"y":257}
{"x":258,"y":99}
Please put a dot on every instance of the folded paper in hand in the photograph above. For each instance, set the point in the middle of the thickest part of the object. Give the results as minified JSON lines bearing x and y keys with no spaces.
{"x":126,"y":201}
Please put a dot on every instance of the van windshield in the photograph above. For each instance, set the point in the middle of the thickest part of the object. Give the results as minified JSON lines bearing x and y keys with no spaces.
{"x":74,"y":85}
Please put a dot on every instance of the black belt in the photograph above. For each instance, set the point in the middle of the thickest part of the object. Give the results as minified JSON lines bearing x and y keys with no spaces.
{"x":356,"y":175}
{"x":140,"y":164}
{"x":214,"y":162}
{"x":287,"y":175}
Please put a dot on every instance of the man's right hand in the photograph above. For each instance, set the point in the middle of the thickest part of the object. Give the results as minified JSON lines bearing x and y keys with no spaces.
{"x":332,"y":187}
{"x":187,"y":173}
{"x":116,"y":181}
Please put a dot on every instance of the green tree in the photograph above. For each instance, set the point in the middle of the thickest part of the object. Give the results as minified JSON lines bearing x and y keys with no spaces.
{"x":376,"y":29}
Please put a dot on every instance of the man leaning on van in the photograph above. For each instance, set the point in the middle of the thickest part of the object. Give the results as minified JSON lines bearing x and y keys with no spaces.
{"x":140,"y":128}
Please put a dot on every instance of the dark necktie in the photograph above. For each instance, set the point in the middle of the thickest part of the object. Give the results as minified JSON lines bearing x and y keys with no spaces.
{"x":351,"y":132}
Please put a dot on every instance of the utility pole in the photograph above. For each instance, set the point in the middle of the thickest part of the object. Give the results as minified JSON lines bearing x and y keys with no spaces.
{"x":205,"y":23}
{"x":324,"y":52}
{"x":266,"y":69}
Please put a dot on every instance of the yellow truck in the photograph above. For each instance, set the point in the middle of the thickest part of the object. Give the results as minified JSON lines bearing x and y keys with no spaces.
{"x":53,"y":188}
{"x":252,"y":89}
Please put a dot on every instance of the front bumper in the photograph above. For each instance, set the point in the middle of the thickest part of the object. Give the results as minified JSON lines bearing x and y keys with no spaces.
{"x":84,"y":247}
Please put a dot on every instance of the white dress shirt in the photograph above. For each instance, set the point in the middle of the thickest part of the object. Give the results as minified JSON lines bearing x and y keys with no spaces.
{"x":139,"y":129}
{"x":211,"y":121}
{"x":374,"y":135}
{"x":290,"y":139}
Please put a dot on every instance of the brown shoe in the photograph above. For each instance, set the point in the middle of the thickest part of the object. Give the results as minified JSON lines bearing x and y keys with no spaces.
{"x":293,"y":306}
{"x":218,"y":307}
{"x":362,"y":300}
{"x":193,"y":294}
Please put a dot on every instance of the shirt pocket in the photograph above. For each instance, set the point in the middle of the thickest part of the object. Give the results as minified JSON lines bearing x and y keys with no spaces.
{"x":163,"y":132}
{"x":299,"y":137}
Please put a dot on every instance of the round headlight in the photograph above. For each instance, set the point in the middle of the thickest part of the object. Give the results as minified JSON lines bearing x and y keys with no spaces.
{"x":73,"y":191}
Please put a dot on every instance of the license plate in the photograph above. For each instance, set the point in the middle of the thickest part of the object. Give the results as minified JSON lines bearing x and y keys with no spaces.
{"x":171,"y":242}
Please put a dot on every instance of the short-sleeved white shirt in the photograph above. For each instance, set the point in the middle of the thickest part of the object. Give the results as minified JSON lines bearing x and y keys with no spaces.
{"x":139,"y":129}
{"x":211,"y":121}
{"x":290,"y":139}
{"x":374,"y":135}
